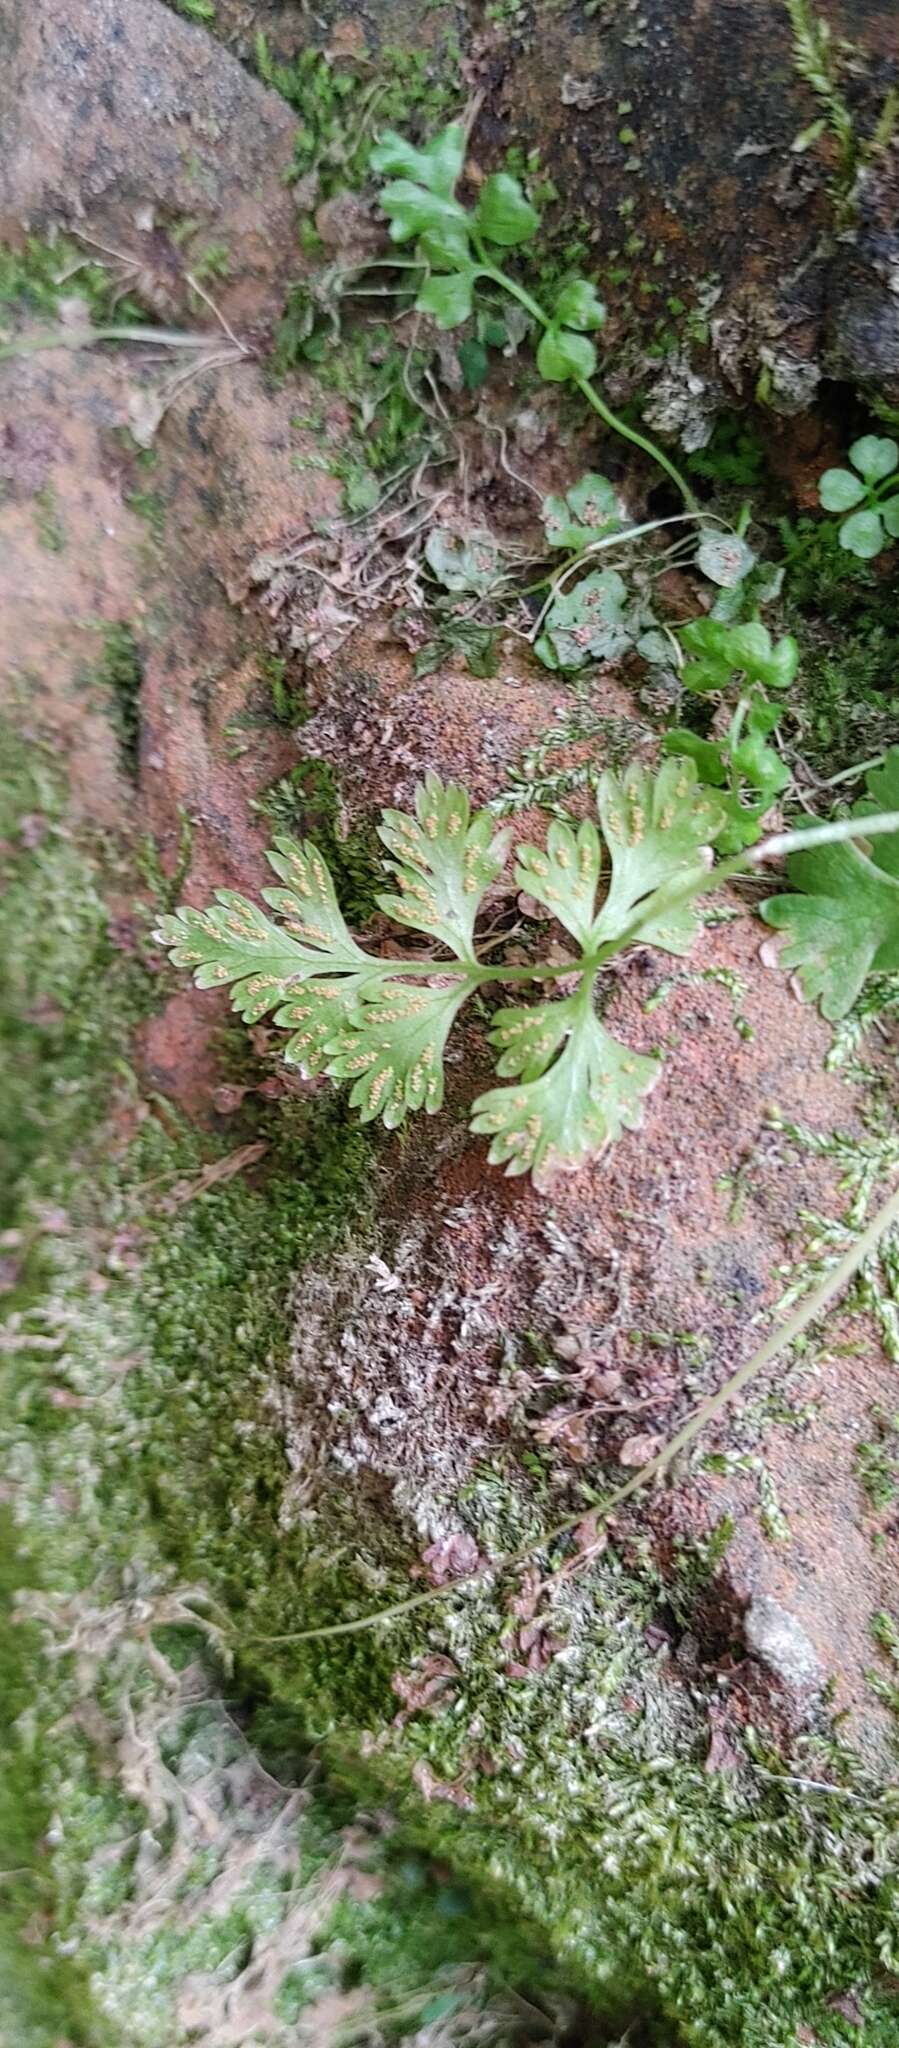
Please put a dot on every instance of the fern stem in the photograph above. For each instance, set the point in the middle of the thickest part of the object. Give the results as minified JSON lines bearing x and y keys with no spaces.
{"x":587,"y":388}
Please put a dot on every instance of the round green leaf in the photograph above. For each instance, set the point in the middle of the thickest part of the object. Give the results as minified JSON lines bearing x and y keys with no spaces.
{"x":578,"y":306}
{"x":862,"y":534}
{"x":838,"y":490}
{"x":724,"y":559}
{"x":890,"y":515}
{"x":447,"y":299}
{"x":874,"y":456}
{"x":503,"y":214}
{"x":563,"y":355}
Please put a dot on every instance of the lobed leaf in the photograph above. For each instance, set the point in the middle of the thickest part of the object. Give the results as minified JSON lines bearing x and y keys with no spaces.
{"x":414,"y":211}
{"x":588,"y":511}
{"x":445,"y":859}
{"x":862,"y":535}
{"x":578,"y":306}
{"x":391,"y":1047}
{"x":883,"y":795}
{"x":721,"y":649}
{"x":564,"y":875}
{"x":572,"y":1110}
{"x":875,"y":456}
{"x":234,"y":941}
{"x":447,"y":298}
{"x":437,"y":166}
{"x":586,"y":623}
{"x":657,"y":829}
{"x":463,"y":565}
{"x":839,"y":490}
{"x":844,"y":924}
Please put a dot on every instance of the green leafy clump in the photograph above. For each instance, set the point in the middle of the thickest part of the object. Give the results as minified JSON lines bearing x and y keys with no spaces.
{"x":718,"y":652}
{"x":868,"y":493}
{"x":381,"y":1024}
{"x":457,"y":248}
{"x":843,"y":922}
{"x":742,"y":764}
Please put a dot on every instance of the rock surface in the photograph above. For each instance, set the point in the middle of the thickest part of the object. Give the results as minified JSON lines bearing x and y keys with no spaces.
{"x":128,"y":123}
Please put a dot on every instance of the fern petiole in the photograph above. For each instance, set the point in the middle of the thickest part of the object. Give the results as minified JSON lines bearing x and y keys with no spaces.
{"x":584,"y":385}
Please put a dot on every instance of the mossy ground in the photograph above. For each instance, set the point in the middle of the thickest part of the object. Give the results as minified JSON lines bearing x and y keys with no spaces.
{"x":137,"y":1446}
{"x":732,"y":1910}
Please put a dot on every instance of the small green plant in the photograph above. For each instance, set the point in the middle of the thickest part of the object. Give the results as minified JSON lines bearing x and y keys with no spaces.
{"x":587,"y":623}
{"x":587,"y":513}
{"x":741,"y":764}
{"x":456,"y":249}
{"x":382,"y":1024}
{"x":720,"y":652}
{"x":871,"y":486}
{"x":844,"y":920}
{"x":877,"y":1461}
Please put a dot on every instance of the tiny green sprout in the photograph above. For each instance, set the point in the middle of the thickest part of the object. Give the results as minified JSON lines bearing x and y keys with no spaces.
{"x":869,"y":493}
{"x":460,"y":247}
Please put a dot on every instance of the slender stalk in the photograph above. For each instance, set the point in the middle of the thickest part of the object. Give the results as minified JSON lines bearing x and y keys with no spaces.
{"x":163,"y":337}
{"x":807,"y":1312}
{"x":584,"y":385}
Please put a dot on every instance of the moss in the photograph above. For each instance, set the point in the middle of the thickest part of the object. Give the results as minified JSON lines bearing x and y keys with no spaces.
{"x":42,"y":1994}
{"x":119,"y":674}
{"x":304,"y":805}
{"x":37,"y":274}
{"x":729,"y":1908}
{"x":844,"y":613}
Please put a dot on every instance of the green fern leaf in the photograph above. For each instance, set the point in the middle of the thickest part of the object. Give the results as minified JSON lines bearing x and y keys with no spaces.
{"x":392,"y":1044}
{"x":657,"y":828}
{"x":445,"y":859}
{"x":564,"y":875}
{"x":234,"y":941}
{"x":574,"y":1108}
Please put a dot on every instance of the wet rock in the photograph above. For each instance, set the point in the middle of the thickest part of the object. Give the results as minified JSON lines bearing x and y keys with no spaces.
{"x":779,"y":1641}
